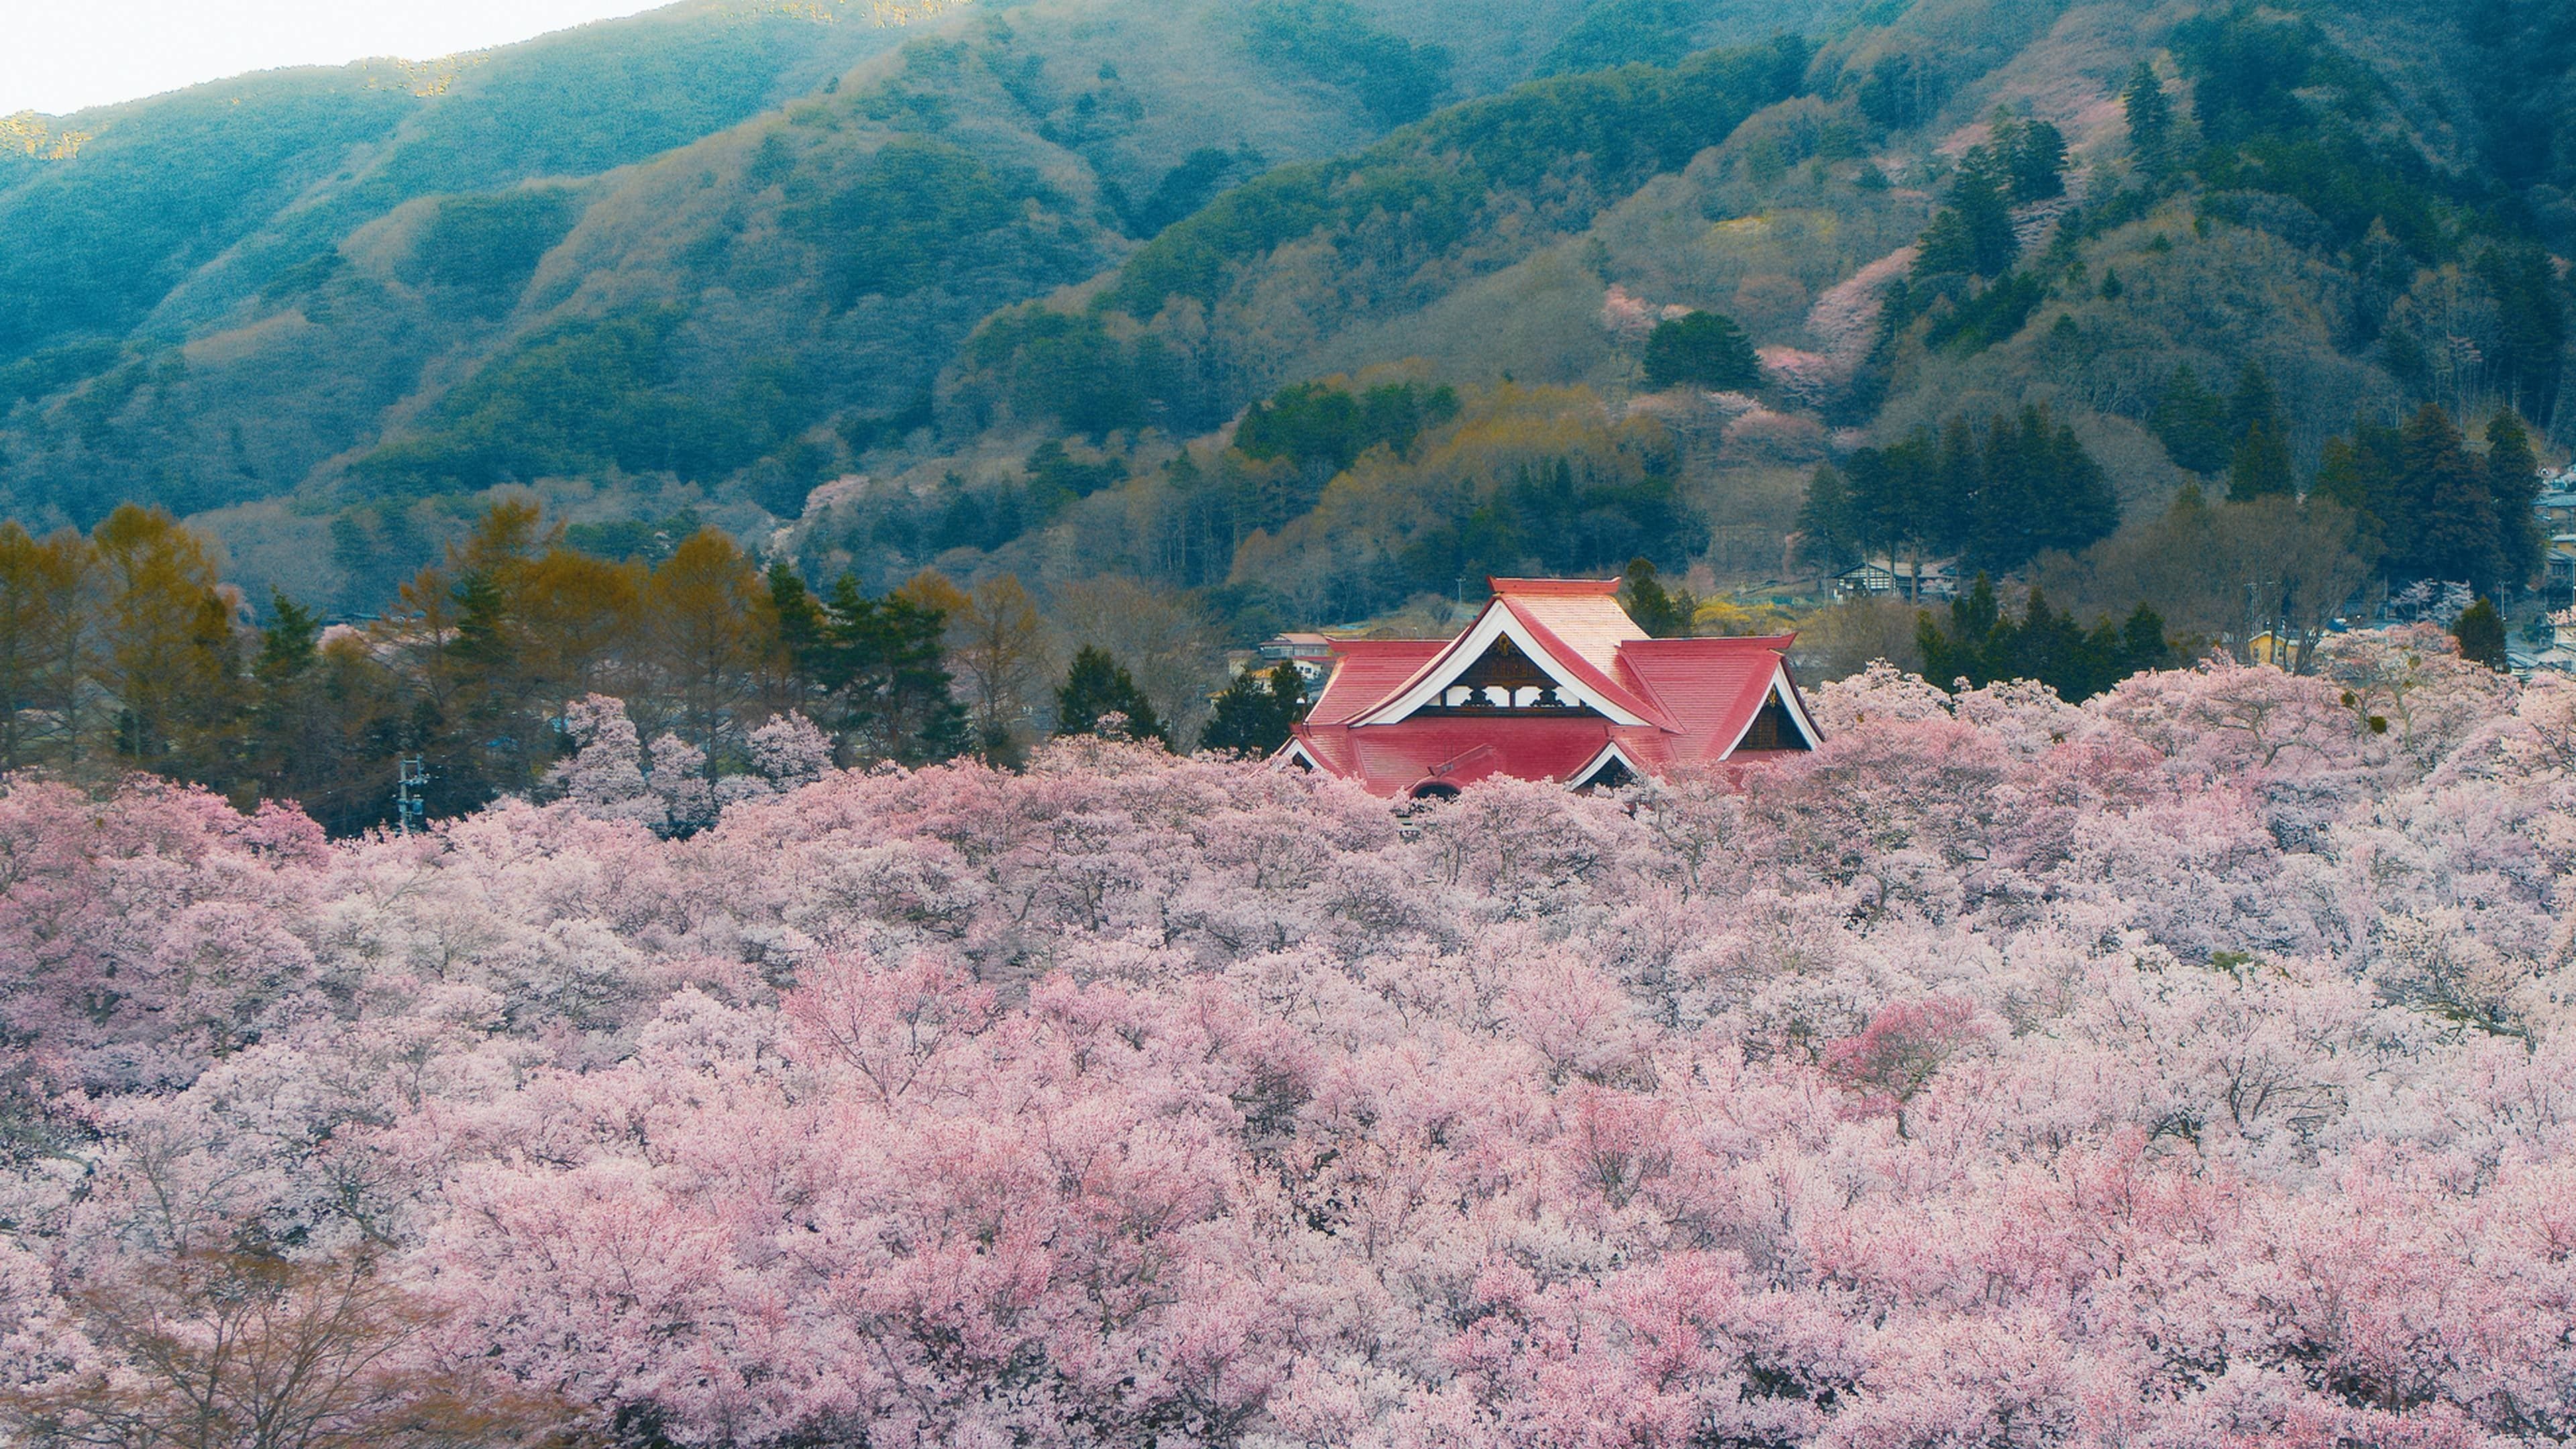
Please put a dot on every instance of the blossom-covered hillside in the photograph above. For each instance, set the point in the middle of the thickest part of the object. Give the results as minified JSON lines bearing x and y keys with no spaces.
{"x":2193,"y":1068}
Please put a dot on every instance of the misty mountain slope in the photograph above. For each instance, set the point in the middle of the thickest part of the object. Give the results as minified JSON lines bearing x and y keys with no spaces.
{"x":815,"y":265}
{"x":1220,"y":308}
{"x":277,"y":163}
{"x":2322,"y":210}
{"x":575,"y":103}
{"x":384,"y":267}
{"x":212,"y":216}
{"x":1109,"y":228}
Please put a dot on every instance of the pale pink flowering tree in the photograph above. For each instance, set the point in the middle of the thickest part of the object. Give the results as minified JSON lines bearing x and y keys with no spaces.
{"x":1139,"y":1098}
{"x":604,"y":776}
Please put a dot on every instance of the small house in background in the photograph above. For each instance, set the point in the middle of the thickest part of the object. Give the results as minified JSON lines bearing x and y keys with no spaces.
{"x":2270,"y":648}
{"x":2558,"y":573}
{"x":2557,"y":651}
{"x":1552,"y":681}
{"x":2556,"y":504}
{"x":1311,"y":653}
{"x":1912,"y":580}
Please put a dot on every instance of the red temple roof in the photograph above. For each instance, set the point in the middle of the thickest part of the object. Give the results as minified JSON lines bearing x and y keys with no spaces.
{"x":1552,"y":681}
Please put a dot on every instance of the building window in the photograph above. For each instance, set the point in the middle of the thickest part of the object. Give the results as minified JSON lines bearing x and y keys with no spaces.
{"x":1506,"y":681}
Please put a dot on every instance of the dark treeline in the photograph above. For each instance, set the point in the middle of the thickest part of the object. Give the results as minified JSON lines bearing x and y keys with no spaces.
{"x":1996,"y":494}
{"x":124,"y":650}
{"x":1979,"y":643}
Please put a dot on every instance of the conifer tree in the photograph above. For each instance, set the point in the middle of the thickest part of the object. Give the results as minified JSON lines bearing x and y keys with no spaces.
{"x":2035,"y":159}
{"x":704,"y":639}
{"x":1703,"y":348}
{"x":2151,"y":120}
{"x":2191,"y":421}
{"x":2362,"y":473}
{"x":2452,"y":528}
{"x":1097,"y":686}
{"x":2260,"y":466}
{"x":1946,"y":249}
{"x":1982,"y":645}
{"x":880,"y":666}
{"x":2256,"y":404}
{"x":1663,"y":613}
{"x":2480,"y":632}
{"x":168,"y":656}
{"x":1981,"y":195}
{"x":1828,"y":526}
{"x":2513,"y":482}
{"x":1257,"y":712}
{"x":43,"y":584}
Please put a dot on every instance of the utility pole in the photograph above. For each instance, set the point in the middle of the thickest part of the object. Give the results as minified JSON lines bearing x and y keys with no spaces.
{"x":411,"y":776}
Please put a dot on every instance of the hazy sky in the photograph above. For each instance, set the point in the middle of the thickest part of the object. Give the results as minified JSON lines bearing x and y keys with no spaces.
{"x":60,"y":55}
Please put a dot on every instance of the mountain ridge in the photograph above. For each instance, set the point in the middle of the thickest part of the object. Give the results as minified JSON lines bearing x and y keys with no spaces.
{"x":875,"y":275}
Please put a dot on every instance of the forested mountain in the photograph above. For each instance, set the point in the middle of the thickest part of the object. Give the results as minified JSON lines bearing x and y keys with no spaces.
{"x":1008,"y":278}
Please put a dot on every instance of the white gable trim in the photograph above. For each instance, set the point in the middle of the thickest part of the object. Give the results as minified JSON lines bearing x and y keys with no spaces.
{"x":1601,"y":761}
{"x":1789,"y":705}
{"x":1294,"y":751}
{"x":1496,"y":622}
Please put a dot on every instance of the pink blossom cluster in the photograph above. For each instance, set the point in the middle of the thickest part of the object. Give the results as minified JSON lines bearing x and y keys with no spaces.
{"x":1630,"y":317}
{"x":1844,"y":320}
{"x":2193,"y":1067}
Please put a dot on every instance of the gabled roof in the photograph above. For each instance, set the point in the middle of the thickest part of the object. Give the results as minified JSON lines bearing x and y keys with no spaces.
{"x":1537,"y":615}
{"x":1651,"y":704}
{"x":1365,"y":671}
{"x":1713,"y":688}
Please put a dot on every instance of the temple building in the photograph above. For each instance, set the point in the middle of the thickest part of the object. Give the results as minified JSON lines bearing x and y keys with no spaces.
{"x":1553,"y":681}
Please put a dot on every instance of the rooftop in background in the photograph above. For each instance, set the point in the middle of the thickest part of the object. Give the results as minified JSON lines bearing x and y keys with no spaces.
{"x":1552,"y":681}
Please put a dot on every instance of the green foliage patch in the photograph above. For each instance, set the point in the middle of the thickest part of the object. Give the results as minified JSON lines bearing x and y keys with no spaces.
{"x":583,"y":394}
{"x":917,"y":209}
{"x":1702,"y":348}
{"x":1333,"y":41}
{"x":1315,"y":423}
{"x":490,"y":244}
{"x":1613,"y":129}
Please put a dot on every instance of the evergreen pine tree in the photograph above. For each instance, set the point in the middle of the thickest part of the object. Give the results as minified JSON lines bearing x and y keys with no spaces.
{"x":1957,"y":482}
{"x":2452,"y":530}
{"x":1946,"y":249}
{"x":1097,"y":686}
{"x":2260,"y":466}
{"x":1257,"y":712}
{"x":2035,"y":158}
{"x":880,"y":665}
{"x":2191,"y":421}
{"x":1703,"y":348}
{"x":800,"y":619}
{"x":2151,"y":120}
{"x":1960,"y":651}
{"x":2513,"y":482}
{"x":2363,"y":473}
{"x":2143,"y":645}
{"x":1980,"y":195}
{"x":1828,"y":524}
{"x":2083,"y":506}
{"x":2255,"y":405}
{"x":2480,"y":631}
{"x":1983,"y":645}
{"x":2010,"y":496}
{"x":1660,"y":612}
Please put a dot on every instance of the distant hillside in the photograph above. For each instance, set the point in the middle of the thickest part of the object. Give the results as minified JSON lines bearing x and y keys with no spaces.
{"x":631,"y":252}
{"x":2341,"y":205}
{"x":1025,"y":267}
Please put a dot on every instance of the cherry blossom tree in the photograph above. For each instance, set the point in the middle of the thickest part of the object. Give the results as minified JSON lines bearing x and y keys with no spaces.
{"x":2192,"y":1066}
